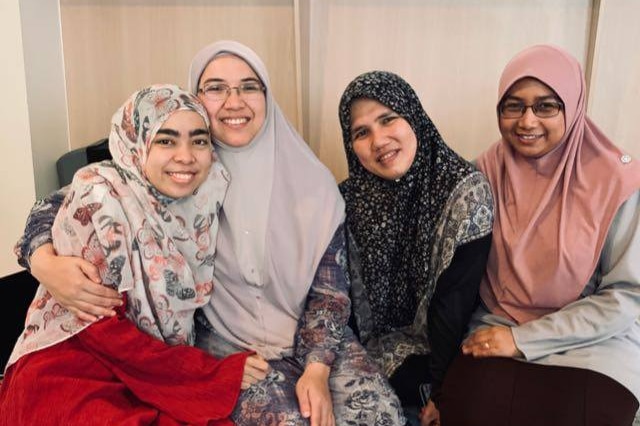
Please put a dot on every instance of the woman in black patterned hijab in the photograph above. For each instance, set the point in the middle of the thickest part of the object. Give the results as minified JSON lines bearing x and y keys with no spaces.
{"x":419,"y":220}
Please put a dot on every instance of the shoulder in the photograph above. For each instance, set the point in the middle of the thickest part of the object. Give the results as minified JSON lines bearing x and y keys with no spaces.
{"x":474,"y":192}
{"x":91,"y":187}
{"x":470,"y":207}
{"x":623,"y":237}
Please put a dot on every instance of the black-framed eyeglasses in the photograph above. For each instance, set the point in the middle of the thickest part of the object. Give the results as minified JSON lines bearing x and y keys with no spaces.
{"x":221,"y":91}
{"x":542,"y":109}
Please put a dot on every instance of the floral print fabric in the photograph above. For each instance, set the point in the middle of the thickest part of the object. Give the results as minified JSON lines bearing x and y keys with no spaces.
{"x":157,"y":250}
{"x":360,"y":392}
{"x":406,"y":231}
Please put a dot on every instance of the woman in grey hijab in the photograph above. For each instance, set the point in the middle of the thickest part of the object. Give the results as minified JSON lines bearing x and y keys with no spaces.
{"x":279,"y":285}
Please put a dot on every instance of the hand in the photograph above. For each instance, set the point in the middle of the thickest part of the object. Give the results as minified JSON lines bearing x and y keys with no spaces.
{"x":75,"y":283}
{"x":255,"y":369}
{"x":491,"y":341}
{"x":429,"y":415}
{"x":313,"y":394}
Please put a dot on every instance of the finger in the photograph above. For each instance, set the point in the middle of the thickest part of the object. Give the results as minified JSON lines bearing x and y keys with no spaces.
{"x":108,"y":295}
{"x":90,"y":270}
{"x":331,"y":421}
{"x":259,"y":363}
{"x":254,"y":373}
{"x":93,"y":310}
{"x":83,"y":316}
{"x":303,"y":401}
{"x":98,"y":302}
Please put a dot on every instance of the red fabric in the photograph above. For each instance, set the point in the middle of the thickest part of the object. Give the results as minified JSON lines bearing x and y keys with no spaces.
{"x":112,"y":373}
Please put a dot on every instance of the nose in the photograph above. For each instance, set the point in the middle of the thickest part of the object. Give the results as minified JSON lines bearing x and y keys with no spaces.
{"x":184,"y":153}
{"x":528,"y":119}
{"x":233,"y":98}
{"x":378,"y":138}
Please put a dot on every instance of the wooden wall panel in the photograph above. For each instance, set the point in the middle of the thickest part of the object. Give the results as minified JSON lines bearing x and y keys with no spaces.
{"x":614,"y":102}
{"x":451,"y":52}
{"x":113,"y":48}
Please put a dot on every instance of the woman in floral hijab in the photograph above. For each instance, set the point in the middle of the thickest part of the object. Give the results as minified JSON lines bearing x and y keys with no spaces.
{"x":149,"y":221}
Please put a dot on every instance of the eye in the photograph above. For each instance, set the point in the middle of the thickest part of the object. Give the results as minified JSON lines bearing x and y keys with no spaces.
{"x":216,"y":89}
{"x":547,"y":107}
{"x":163,"y":142}
{"x":201,"y":142}
{"x":512,"y":107}
{"x":359,"y":133}
{"x":250,"y":87}
{"x":388,"y":119}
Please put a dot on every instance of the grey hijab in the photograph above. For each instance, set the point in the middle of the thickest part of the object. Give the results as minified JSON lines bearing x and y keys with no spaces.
{"x":278,"y":218}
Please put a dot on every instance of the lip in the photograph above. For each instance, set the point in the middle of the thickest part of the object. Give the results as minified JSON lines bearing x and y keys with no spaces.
{"x":529,"y":138}
{"x":235,"y":122}
{"x":182,"y":177}
{"x":388,"y":156}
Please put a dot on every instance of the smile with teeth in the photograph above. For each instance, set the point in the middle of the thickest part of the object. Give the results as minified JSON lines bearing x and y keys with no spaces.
{"x":529,"y":137}
{"x":235,"y":121}
{"x":387,"y":156}
{"x":182,"y":177}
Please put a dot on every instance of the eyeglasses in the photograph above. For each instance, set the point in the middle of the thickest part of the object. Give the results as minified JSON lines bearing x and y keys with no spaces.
{"x":542,"y":109}
{"x":221,"y":91}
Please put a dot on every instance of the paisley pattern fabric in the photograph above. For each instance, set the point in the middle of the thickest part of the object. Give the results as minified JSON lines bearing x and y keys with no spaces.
{"x":405,"y":232}
{"x":157,"y":250}
{"x":360,"y":392}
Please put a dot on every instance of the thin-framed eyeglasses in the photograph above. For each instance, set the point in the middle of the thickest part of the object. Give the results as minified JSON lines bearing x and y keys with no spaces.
{"x":221,"y":91}
{"x":543,"y":109}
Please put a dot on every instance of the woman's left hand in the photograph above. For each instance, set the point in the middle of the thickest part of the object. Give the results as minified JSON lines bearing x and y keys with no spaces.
{"x":314,"y":396}
{"x":429,"y":415}
{"x":491,"y":341}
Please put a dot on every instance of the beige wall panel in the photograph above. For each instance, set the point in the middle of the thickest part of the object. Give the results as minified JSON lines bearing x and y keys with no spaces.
{"x":16,"y":178}
{"x":113,"y":48}
{"x":615,"y":85}
{"x":452,"y":52}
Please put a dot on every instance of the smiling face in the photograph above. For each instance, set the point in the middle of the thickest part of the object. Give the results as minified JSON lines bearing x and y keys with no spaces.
{"x":529,"y":135}
{"x":179,"y":155}
{"x":383,"y":141}
{"x":236,"y":120}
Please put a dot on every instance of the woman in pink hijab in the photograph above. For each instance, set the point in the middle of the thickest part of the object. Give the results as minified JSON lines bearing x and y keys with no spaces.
{"x":556,"y":340}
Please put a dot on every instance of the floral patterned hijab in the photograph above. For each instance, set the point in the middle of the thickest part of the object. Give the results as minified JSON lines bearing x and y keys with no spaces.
{"x":394,"y":223}
{"x":552,"y":213}
{"x":157,"y":250}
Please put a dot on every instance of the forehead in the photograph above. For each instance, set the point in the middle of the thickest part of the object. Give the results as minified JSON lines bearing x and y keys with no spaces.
{"x":228,"y":67}
{"x":364,"y":110}
{"x":184,"y":118}
{"x":528,"y":88}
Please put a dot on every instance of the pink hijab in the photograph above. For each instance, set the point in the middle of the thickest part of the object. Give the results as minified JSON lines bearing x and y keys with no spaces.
{"x":552,"y":213}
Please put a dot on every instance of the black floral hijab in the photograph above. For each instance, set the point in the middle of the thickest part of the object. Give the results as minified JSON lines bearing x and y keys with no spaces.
{"x":393,"y":223}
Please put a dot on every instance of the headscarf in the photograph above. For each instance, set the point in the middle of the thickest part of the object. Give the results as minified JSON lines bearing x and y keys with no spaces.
{"x":157,"y":250}
{"x":280,"y":214}
{"x":553,"y":212}
{"x":394,"y":223}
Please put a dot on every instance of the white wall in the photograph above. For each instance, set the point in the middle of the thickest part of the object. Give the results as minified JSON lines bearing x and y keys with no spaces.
{"x":46,"y":90}
{"x":17,"y":183}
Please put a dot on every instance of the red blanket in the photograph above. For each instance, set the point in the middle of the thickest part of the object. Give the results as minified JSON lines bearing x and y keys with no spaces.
{"x":113,"y":374}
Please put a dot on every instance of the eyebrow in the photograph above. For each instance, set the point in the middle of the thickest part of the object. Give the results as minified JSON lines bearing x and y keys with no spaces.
{"x":220,"y":80}
{"x":539,"y":98}
{"x":175,"y":133}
